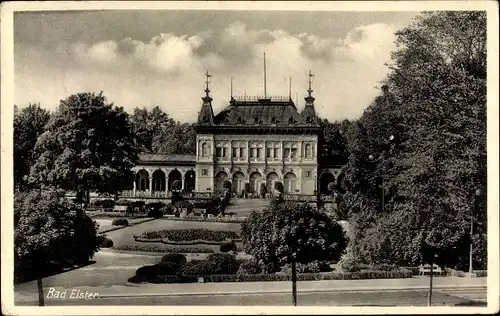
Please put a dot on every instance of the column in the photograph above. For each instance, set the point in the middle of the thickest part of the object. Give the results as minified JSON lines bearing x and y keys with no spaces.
{"x":166,"y":185}
{"x":182,"y":182}
{"x":150,"y":186}
{"x":248,"y":151}
{"x":133,"y":192}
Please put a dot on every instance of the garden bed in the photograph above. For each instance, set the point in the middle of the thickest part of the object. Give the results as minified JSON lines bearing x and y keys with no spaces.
{"x":237,"y":220}
{"x":131,"y":222}
{"x":284,"y":277}
{"x":184,"y":242}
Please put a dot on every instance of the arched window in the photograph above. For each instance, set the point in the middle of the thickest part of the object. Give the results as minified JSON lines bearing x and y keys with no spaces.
{"x":239,"y":120}
{"x":292,"y":120}
{"x":204,"y":149}
{"x":309,"y":120}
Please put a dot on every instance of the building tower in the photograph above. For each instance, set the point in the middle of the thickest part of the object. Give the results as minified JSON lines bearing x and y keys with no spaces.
{"x":206,"y":115}
{"x":308,"y":113}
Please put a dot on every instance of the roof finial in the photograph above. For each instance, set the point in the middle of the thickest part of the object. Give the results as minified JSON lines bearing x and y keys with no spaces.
{"x":290,"y":89}
{"x":310,"y":81}
{"x":207,"y":90}
{"x":231,"y":87}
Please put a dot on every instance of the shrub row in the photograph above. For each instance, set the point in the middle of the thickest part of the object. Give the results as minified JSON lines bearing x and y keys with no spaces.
{"x":311,"y":267}
{"x":149,"y":248}
{"x":107,"y":203}
{"x":106,"y":243}
{"x":284,"y":277}
{"x":191,"y":235}
{"x":120,"y":222}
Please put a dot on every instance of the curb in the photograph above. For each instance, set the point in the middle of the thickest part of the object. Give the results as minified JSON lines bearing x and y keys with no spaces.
{"x":336,"y":290}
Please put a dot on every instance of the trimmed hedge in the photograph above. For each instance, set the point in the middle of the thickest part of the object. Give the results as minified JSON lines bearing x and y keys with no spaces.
{"x":249,"y":267}
{"x":120,"y":222}
{"x":284,"y":277}
{"x":107,"y":243}
{"x":191,"y":235}
{"x":311,"y":267}
{"x":201,"y":219}
{"x":107,"y":203}
{"x":217,"y":263}
{"x":123,"y":202}
{"x":149,"y":248}
{"x":178,"y":258}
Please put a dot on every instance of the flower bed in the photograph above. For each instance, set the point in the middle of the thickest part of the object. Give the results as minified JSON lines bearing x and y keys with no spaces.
{"x":284,"y":277}
{"x":149,"y":248}
{"x":182,"y":242}
{"x":190,"y":235}
{"x":237,"y":220}
{"x":131,"y":222}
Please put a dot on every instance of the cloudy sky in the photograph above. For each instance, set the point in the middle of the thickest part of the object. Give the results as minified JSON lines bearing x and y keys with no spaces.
{"x":148,"y":58}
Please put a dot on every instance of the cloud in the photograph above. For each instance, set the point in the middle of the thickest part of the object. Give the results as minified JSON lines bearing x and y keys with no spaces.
{"x":167,"y":69}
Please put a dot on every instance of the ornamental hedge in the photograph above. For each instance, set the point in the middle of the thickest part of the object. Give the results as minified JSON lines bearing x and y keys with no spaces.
{"x":284,"y":277}
{"x":120,"y":222}
{"x":149,"y":248}
{"x":191,"y":235}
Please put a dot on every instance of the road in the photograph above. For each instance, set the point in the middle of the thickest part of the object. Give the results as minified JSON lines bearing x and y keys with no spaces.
{"x":448,"y":297}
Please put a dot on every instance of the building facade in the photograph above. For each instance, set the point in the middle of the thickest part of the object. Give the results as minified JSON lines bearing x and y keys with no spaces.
{"x":254,"y":141}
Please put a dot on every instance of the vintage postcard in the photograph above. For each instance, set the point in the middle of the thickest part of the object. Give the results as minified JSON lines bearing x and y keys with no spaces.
{"x":249,"y":157}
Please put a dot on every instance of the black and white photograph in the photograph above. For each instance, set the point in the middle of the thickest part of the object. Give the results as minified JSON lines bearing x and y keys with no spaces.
{"x":249,"y":157}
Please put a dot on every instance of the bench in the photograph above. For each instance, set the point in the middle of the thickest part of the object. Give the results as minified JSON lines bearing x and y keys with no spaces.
{"x":423,"y":269}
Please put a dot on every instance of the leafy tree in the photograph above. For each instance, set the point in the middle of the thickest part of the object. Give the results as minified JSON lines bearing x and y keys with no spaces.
{"x":88,"y":146}
{"x":148,"y":124}
{"x":29,"y":124}
{"x":49,"y":234}
{"x":434,"y":104}
{"x":177,"y":139}
{"x":288,"y":229}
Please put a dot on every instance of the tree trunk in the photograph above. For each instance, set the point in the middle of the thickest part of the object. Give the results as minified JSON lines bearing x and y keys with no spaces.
{"x":294,"y":283}
{"x":39,"y":284}
{"x":429,"y":299}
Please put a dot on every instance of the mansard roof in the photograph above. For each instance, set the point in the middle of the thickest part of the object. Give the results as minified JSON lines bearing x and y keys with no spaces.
{"x":260,"y":111}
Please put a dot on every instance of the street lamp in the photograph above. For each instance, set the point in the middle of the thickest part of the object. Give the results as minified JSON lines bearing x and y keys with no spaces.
{"x":477,"y":195}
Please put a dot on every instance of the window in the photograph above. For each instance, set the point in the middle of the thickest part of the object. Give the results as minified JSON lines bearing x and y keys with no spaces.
{"x":286,"y":153}
{"x":204,"y":172}
{"x":294,"y":152}
{"x":308,"y":150}
{"x":292,"y":120}
{"x":259,"y":152}
{"x":218,"y":152}
{"x":239,"y":120}
{"x":274,"y":120}
{"x":204,"y":149}
{"x":224,"y":152}
{"x":276,"y":152}
{"x":308,"y":174}
{"x":269,"y":152}
{"x":235,"y":152}
{"x":309,"y":120}
{"x":252,"y":152}
{"x":242,"y":152}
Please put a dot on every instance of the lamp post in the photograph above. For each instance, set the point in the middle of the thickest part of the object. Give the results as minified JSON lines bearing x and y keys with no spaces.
{"x":477,"y":194}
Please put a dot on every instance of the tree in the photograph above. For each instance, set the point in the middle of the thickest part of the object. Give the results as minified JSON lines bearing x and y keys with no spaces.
{"x":433,"y":103}
{"x":278,"y":186}
{"x":178,"y":139}
{"x":50,"y":234}
{"x":287,"y":230}
{"x":88,"y":146}
{"x":147,"y":125}
{"x":29,"y":124}
{"x":263,"y":190}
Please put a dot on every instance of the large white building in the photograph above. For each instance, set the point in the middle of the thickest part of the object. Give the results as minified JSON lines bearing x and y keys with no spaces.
{"x":253,"y":140}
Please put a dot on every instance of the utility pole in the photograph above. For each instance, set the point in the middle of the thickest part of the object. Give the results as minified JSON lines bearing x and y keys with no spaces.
{"x":294,"y":280}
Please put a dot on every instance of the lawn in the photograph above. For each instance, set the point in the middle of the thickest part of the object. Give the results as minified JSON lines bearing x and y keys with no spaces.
{"x":125,"y":236}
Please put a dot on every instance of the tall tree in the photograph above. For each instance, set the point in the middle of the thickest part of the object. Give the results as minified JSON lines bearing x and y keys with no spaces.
{"x":434,"y":105}
{"x":148,"y":124}
{"x":29,"y":124}
{"x":88,"y":146}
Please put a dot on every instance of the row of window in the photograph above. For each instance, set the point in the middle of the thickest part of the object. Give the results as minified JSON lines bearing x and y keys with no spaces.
{"x":239,"y":152}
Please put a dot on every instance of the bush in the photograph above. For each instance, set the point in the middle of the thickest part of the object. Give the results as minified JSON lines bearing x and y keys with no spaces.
{"x":107,"y":243}
{"x":348,"y":263}
{"x":168,"y":209}
{"x":147,"y":273}
{"x":168,"y":267}
{"x":108,"y":203}
{"x":228,"y":246}
{"x":120,"y":222}
{"x":278,"y":186}
{"x":311,"y":267}
{"x":249,"y":267}
{"x":217,"y":263}
{"x":150,"y":248}
{"x":178,"y":258}
{"x":176,"y":198}
{"x":155,"y":213}
{"x":191,"y":234}
{"x":385,"y":267}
